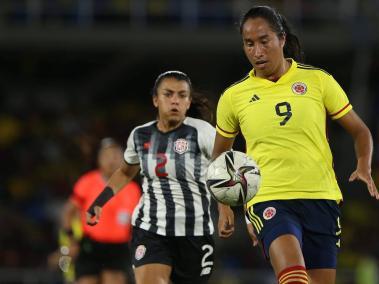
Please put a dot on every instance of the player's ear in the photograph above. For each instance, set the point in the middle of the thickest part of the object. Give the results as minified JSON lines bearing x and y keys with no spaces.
{"x":155,"y":101}
{"x":189,"y":102}
{"x":282,"y":39}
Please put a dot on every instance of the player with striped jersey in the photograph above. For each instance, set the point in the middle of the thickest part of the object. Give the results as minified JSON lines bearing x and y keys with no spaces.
{"x":172,"y":226}
{"x":280,"y":107}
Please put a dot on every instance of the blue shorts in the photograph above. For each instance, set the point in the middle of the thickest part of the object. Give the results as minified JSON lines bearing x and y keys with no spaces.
{"x":315,"y":223}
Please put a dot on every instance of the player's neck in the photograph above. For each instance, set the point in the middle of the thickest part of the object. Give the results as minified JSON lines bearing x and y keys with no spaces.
{"x":168,"y":125}
{"x":282,"y":69}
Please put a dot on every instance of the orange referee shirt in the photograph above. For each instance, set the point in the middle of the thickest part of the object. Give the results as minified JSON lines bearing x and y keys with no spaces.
{"x":114,"y":225}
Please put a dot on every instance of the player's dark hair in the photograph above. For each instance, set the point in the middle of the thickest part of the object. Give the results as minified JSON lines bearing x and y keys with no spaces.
{"x":201,"y":108}
{"x":178,"y":75}
{"x":280,"y":26}
{"x":200,"y":105}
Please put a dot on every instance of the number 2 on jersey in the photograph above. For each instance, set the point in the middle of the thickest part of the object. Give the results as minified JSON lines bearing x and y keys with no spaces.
{"x":161,"y":162}
{"x":283,"y":109}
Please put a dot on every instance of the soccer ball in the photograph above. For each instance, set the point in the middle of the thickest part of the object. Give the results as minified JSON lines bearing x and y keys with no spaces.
{"x":233,"y":178}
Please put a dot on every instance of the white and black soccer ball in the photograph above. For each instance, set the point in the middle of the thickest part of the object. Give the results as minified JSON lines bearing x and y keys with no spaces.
{"x":233,"y":178}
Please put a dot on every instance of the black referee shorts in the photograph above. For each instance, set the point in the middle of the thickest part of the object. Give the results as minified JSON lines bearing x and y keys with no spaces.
{"x":191,"y":257}
{"x":94,"y":257}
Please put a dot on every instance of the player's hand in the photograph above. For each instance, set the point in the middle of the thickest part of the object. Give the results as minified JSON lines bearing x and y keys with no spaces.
{"x":91,"y":219}
{"x":225,"y":221}
{"x":364,"y":174}
{"x":253,"y":236}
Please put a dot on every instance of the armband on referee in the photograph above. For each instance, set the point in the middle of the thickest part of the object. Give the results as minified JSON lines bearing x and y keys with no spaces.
{"x":103,"y":198}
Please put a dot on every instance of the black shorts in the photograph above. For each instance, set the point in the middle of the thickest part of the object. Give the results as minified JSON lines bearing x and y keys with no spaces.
{"x":315,"y":223}
{"x":94,"y":257}
{"x":191,"y":257}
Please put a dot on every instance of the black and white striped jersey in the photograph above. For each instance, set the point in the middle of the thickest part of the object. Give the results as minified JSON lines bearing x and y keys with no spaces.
{"x":175,"y":201}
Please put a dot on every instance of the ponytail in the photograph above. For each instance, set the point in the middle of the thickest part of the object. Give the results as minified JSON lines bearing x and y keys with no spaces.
{"x":292,"y":47}
{"x":201,"y":108}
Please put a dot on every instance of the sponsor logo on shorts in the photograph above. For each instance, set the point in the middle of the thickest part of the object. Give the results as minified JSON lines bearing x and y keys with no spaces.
{"x":299,"y":88}
{"x":181,"y":146}
{"x":140,"y":252}
{"x":269,"y":213}
{"x":206,"y":271}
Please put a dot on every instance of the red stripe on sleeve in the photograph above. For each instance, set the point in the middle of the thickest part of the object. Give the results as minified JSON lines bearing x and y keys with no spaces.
{"x":227,"y":131}
{"x":334,"y":114}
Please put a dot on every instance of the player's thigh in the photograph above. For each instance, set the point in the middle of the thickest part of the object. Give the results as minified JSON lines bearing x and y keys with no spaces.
{"x":113,"y":277}
{"x":272,"y":219}
{"x":153,"y":273}
{"x":285,"y":251}
{"x":88,"y":280}
{"x":194,"y":259}
{"x":279,"y":231}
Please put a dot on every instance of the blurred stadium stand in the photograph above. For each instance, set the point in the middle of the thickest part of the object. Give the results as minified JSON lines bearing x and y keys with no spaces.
{"x":73,"y":71}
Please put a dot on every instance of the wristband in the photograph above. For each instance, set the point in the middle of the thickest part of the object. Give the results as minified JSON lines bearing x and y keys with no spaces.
{"x":103,"y":198}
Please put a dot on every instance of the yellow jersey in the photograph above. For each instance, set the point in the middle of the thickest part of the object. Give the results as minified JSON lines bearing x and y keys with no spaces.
{"x":284,"y":125}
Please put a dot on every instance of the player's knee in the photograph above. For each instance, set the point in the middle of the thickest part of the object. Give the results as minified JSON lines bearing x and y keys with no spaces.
{"x":293,"y":275}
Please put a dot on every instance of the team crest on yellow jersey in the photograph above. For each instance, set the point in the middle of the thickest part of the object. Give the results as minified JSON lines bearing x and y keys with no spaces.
{"x":299,"y":88}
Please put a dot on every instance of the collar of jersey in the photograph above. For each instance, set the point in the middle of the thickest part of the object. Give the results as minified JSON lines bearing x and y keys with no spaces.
{"x":281,"y":79}
{"x":172,"y":130}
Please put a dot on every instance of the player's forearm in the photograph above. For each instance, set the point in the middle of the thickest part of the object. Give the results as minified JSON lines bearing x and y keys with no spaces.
{"x":221,"y":144}
{"x":354,"y":125}
{"x":363,"y":147}
{"x":118,"y":180}
{"x":222,"y":206}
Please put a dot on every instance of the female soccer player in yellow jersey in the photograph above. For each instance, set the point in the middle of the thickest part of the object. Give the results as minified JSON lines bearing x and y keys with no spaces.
{"x":281,"y":107}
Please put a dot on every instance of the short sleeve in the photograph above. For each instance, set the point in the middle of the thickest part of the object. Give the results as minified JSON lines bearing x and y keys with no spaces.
{"x":206,"y":139}
{"x":227,"y":123}
{"x":130,"y":155}
{"x":335,"y":99}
